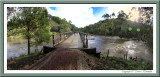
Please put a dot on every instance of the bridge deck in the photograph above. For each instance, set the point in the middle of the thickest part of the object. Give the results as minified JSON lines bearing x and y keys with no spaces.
{"x":73,"y":41}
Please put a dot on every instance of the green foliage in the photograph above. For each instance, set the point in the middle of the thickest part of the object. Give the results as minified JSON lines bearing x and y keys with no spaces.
{"x":61,"y":25}
{"x":31,"y":22}
{"x":56,"y":19}
{"x":104,"y":56}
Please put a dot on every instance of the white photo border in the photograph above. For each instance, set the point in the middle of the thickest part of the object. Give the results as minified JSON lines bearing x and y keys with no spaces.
{"x":80,"y":71}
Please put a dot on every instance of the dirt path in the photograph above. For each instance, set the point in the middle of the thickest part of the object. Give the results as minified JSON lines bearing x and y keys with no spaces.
{"x":62,"y":59}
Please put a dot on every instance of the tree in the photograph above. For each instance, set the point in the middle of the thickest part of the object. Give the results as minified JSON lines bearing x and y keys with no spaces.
{"x":35,"y":24}
{"x":113,"y":15}
{"x":122,"y":15}
{"x":106,"y":16}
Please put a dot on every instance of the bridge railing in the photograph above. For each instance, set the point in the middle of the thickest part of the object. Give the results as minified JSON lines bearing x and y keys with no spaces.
{"x":84,"y":38}
{"x":58,"y":38}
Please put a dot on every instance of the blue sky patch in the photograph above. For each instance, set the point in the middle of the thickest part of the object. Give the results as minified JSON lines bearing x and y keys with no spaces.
{"x":52,"y":8}
{"x":99,"y":10}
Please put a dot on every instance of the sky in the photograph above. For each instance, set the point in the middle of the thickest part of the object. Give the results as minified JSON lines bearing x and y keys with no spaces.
{"x":82,"y":16}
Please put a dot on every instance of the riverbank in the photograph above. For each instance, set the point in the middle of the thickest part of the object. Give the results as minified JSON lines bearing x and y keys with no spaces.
{"x":24,"y":61}
{"x":78,"y":60}
{"x":115,"y":63}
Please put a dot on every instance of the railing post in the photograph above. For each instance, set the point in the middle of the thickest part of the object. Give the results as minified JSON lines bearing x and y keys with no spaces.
{"x":64,"y":36}
{"x":53,"y":40}
{"x":86,"y":40}
{"x":61,"y":36}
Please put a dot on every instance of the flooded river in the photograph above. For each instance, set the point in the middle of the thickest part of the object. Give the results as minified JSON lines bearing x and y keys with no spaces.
{"x":116,"y":46}
{"x":19,"y":46}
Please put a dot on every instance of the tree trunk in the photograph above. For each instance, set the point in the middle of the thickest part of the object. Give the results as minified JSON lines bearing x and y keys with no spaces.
{"x":28,"y":40}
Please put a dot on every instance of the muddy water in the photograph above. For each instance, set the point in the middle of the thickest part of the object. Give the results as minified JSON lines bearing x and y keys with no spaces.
{"x":118,"y":47}
{"x":19,"y":46}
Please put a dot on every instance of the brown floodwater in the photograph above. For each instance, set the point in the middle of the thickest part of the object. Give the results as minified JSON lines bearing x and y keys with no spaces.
{"x":116,"y":46}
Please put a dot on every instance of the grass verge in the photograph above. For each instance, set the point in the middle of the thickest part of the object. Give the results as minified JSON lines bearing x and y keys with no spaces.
{"x":24,"y":61}
{"x":115,"y":63}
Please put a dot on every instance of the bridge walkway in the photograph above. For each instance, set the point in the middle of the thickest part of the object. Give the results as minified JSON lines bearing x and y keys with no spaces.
{"x":74,"y":41}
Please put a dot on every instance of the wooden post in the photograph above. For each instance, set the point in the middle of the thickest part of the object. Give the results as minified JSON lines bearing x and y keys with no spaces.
{"x":63,"y":36}
{"x":108,"y":53}
{"x":68,"y":34}
{"x":136,"y":58}
{"x":60,"y":36}
{"x":126,"y":55}
{"x":53,"y":40}
{"x":83,"y":37}
{"x":86,"y":40}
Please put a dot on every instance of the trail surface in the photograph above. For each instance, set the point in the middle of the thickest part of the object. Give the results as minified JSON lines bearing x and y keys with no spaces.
{"x":62,"y":59}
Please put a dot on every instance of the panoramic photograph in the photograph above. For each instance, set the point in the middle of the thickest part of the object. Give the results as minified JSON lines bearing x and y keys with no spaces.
{"x":79,"y":37}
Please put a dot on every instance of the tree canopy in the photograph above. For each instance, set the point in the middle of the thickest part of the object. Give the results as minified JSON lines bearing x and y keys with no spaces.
{"x":31,"y":22}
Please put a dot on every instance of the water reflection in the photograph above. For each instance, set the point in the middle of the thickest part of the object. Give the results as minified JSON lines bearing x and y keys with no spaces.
{"x":118,"y":47}
{"x":18,"y":46}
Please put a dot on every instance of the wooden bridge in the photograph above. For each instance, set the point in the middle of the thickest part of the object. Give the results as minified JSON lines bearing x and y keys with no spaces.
{"x":70,"y":40}
{"x":66,"y":53}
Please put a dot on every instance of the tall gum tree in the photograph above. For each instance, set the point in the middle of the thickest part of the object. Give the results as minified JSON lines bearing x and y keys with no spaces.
{"x":34,"y":23}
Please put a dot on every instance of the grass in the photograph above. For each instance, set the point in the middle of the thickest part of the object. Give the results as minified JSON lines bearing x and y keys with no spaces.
{"x":21,"y":62}
{"x":115,"y":63}
{"x":104,"y":56}
{"x":26,"y":56}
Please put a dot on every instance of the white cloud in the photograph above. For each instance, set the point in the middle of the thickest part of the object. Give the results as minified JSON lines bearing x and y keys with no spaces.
{"x":83,"y":15}
{"x":80,"y":16}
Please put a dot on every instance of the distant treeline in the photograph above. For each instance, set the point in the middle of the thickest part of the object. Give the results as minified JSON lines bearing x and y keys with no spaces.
{"x":59,"y":25}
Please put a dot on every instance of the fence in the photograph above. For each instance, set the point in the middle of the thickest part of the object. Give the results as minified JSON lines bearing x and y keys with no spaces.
{"x":58,"y":38}
{"x":84,"y":38}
